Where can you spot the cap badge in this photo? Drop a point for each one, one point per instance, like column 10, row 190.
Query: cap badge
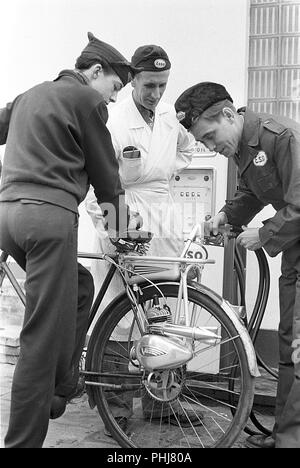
column 261, row 159
column 160, row 63
column 180, row 115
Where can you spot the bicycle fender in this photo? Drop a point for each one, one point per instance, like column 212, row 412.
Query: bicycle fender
column 237, row 322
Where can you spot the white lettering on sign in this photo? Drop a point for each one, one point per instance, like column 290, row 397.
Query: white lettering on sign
column 261, row 159
column 160, row 63
column 198, row 255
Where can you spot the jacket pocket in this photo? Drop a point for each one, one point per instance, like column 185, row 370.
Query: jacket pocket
column 268, row 179
column 130, row 170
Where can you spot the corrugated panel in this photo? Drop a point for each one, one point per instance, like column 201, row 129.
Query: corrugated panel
column 263, row 52
column 264, row 20
column 290, row 19
column 274, row 57
column 266, row 107
column 290, row 109
column 262, row 84
column 290, row 84
column 290, row 50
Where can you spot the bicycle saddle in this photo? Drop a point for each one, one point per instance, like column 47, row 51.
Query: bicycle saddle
column 140, row 237
column 129, row 240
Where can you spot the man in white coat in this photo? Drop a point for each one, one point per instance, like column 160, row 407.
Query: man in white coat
column 151, row 146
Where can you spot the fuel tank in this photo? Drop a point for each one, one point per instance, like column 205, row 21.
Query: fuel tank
column 158, row 352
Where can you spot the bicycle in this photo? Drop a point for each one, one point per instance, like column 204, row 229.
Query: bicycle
column 168, row 349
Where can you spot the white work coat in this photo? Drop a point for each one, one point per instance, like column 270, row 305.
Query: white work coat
column 165, row 150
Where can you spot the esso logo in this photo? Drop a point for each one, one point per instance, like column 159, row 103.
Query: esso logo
column 196, row 255
column 160, row 63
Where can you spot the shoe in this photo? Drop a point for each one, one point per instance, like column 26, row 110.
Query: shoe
column 184, row 418
column 260, row 441
column 180, row 418
column 58, row 406
column 122, row 423
column 59, row 403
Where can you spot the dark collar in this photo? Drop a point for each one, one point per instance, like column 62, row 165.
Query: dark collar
column 77, row 74
column 250, row 135
column 249, row 146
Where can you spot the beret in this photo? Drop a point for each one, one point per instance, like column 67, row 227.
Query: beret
column 195, row 100
column 151, row 58
column 97, row 49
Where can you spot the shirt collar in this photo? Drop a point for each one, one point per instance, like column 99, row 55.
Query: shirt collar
column 136, row 119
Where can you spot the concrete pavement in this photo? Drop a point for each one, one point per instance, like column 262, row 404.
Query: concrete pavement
column 79, row 427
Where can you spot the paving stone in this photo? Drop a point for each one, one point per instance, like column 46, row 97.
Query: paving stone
column 9, row 343
column 81, row 427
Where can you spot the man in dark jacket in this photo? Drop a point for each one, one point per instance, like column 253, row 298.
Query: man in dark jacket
column 266, row 149
column 57, row 144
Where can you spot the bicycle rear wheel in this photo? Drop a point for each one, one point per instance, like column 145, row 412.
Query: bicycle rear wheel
column 194, row 408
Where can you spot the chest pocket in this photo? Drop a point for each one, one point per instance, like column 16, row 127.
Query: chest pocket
column 267, row 178
column 130, row 170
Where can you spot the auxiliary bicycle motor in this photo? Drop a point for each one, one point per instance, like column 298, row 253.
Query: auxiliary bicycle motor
column 165, row 385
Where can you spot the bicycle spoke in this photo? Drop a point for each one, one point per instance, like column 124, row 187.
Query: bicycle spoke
column 203, row 403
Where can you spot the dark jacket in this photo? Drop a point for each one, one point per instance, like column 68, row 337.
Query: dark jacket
column 57, row 143
column 269, row 170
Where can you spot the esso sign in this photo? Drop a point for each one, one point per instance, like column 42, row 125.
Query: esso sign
column 197, row 254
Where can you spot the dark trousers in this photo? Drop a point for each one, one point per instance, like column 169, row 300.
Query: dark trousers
column 42, row 238
column 287, row 426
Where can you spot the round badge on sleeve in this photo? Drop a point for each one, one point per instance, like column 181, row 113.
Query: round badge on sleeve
column 160, row 63
column 261, row 159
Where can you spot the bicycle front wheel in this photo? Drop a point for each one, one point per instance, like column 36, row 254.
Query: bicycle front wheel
column 186, row 407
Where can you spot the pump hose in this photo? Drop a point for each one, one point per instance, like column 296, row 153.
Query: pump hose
column 257, row 315
column 261, row 300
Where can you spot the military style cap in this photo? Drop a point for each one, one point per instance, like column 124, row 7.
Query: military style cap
column 97, row 49
column 195, row 100
column 151, row 58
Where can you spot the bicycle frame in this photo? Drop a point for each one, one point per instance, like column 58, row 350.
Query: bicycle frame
column 177, row 271
column 6, row 270
column 154, row 269
column 183, row 265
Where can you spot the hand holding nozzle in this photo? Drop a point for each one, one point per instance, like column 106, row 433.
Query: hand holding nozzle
column 213, row 226
column 217, row 231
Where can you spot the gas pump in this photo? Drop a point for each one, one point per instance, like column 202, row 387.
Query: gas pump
column 199, row 192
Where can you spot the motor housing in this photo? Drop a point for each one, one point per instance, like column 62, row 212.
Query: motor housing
column 159, row 352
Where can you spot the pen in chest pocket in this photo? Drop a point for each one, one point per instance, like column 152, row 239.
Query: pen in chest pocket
column 131, row 152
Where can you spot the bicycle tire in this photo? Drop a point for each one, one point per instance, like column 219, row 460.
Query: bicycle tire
column 202, row 388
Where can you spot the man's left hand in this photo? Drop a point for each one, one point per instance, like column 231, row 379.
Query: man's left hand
column 250, row 238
